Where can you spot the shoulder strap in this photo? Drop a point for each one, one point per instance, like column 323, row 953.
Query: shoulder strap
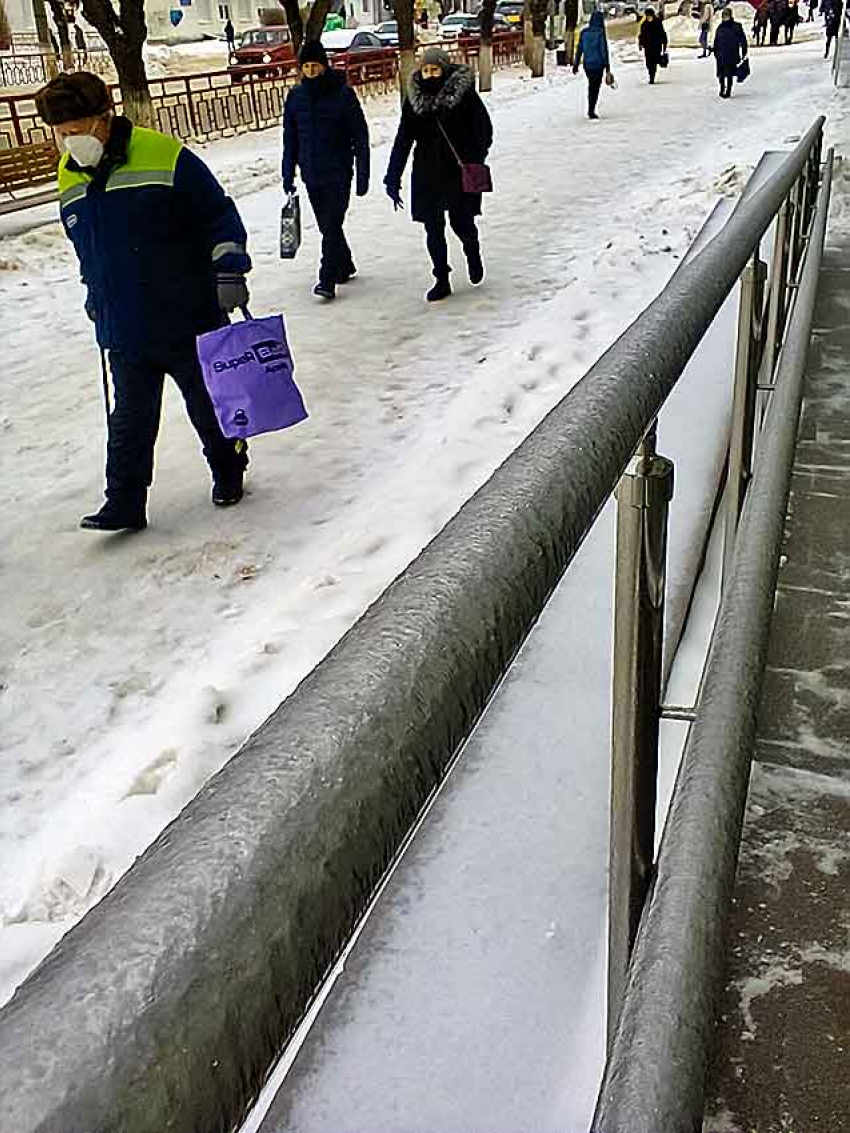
column 449, row 142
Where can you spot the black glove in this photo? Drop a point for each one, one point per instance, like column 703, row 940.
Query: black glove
column 394, row 193
column 362, row 188
column 90, row 307
column 289, row 188
column 232, row 293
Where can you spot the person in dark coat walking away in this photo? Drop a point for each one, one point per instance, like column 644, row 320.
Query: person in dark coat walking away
column 445, row 120
column 652, row 41
column 831, row 22
column 230, row 35
column 163, row 261
column 813, row 7
column 776, row 13
column 760, row 24
column 325, row 136
column 593, row 51
column 730, row 49
column 792, row 18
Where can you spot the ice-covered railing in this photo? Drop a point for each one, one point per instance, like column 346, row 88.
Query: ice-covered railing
column 165, row 1007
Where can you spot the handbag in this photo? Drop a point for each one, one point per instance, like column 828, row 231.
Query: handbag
column 475, row 178
column 290, row 227
column 742, row 72
column 664, row 60
column 248, row 368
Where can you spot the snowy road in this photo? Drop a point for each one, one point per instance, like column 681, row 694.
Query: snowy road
column 131, row 668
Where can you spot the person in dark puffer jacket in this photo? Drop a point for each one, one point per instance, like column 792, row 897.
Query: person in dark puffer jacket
column 445, row 120
column 730, row 50
column 163, row 256
column 325, row 135
column 593, row 51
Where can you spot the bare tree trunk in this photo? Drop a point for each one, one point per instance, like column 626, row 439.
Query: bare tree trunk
column 5, row 29
column 527, row 34
column 406, row 44
column 124, row 32
column 296, row 24
column 43, row 32
column 316, row 20
column 539, row 11
column 485, row 50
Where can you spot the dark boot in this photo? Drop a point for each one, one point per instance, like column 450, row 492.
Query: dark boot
column 442, row 289
column 325, row 291
column 475, row 265
column 227, row 487
column 115, row 515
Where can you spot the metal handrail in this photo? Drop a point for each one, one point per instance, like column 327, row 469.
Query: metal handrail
column 655, row 1076
column 207, row 952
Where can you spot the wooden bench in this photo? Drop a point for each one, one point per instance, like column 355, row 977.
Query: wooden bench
column 22, row 170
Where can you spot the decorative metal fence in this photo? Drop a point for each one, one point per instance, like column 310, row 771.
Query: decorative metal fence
column 33, row 68
column 209, row 106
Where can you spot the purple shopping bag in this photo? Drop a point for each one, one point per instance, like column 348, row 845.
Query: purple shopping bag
column 248, row 371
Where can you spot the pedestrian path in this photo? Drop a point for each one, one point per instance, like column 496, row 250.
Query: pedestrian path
column 785, row 1033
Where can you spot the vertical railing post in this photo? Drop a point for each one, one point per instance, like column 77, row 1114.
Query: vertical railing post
column 643, row 499
column 778, row 278
column 747, row 361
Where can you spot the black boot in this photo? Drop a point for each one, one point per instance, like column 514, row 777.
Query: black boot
column 227, row 487
column 442, row 289
column 324, row 291
column 475, row 266
column 117, row 515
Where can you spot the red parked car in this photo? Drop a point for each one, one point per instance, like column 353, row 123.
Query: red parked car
column 265, row 52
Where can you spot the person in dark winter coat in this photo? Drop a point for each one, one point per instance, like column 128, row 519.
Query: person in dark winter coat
column 760, row 24
column 831, row 22
column 163, row 260
column 448, row 124
column 652, row 41
column 777, row 10
column 792, row 18
column 730, row 49
column 593, row 51
column 325, row 135
column 230, row 34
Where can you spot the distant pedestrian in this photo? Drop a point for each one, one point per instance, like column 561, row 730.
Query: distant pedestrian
column 162, row 254
column 593, row 52
column 730, row 50
column 776, row 13
column 652, row 41
column 325, row 136
column 760, row 24
column 831, row 22
column 813, row 7
column 445, row 123
column 80, row 40
column 792, row 18
column 706, row 21
column 230, row 35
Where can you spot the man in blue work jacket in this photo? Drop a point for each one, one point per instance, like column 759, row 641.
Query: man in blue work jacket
column 163, row 256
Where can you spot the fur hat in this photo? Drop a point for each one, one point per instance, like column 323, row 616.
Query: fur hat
column 68, row 97
column 435, row 57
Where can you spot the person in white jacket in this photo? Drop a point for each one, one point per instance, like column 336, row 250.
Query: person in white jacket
column 705, row 22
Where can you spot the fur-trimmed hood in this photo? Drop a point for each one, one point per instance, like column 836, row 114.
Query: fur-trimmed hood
column 459, row 81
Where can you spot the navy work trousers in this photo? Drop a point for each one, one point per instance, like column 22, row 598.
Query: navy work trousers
column 134, row 421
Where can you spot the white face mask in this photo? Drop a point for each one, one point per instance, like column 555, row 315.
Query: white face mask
column 86, row 150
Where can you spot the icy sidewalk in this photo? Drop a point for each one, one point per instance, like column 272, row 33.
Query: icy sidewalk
column 132, row 668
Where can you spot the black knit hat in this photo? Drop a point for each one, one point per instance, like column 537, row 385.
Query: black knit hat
column 68, row 97
column 313, row 52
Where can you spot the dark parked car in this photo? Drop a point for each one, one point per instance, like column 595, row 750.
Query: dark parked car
column 353, row 46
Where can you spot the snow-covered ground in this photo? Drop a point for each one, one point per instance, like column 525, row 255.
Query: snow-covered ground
column 131, row 668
